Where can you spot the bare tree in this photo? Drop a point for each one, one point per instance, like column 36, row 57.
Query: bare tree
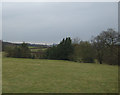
column 76, row 40
column 104, row 44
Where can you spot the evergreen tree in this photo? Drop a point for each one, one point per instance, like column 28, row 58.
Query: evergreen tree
column 61, row 51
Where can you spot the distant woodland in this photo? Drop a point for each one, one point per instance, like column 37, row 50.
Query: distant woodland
column 102, row 49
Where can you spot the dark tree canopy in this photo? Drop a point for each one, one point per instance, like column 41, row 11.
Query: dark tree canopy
column 104, row 44
column 61, row 51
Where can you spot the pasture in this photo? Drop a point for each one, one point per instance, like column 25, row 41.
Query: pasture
column 35, row 49
column 57, row 76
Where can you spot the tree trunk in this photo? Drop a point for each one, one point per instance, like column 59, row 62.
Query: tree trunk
column 100, row 61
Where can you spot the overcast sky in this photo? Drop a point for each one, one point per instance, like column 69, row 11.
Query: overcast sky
column 50, row 22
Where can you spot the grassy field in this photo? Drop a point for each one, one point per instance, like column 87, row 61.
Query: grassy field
column 35, row 49
column 48, row 76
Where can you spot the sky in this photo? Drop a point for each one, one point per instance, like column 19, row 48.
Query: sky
column 50, row 22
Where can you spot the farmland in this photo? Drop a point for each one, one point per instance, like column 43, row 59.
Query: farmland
column 47, row 76
column 59, row 47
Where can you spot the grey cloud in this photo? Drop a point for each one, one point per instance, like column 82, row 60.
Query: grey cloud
column 50, row 22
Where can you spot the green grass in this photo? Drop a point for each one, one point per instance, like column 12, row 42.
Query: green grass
column 30, row 47
column 35, row 49
column 48, row 76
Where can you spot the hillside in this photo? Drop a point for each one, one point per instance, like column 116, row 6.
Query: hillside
column 48, row 76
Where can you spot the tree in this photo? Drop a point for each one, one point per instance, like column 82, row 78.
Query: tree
column 76, row 41
column 24, row 50
column 61, row 51
column 17, row 52
column 104, row 45
column 83, row 52
column 9, row 51
column 51, row 53
column 98, row 44
column 21, row 51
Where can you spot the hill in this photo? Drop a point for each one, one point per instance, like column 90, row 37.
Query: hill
column 6, row 44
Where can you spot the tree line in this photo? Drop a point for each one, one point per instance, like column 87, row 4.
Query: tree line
column 101, row 48
column 21, row 51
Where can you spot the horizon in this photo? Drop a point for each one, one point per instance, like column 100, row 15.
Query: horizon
column 37, row 43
